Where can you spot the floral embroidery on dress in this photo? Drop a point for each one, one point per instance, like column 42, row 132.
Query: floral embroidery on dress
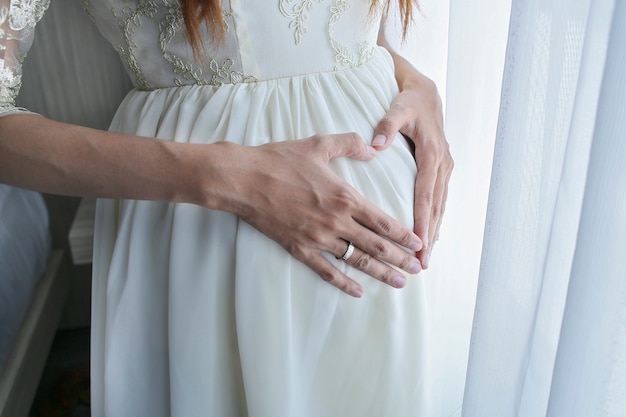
column 224, row 75
column 168, row 27
column 17, row 23
column 131, row 20
column 227, row 16
column 168, row 15
column 343, row 55
column 24, row 14
column 10, row 84
column 298, row 15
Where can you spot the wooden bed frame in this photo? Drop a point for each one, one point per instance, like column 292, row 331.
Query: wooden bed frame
column 27, row 358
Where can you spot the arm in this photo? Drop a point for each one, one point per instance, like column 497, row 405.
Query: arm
column 285, row 190
column 416, row 113
column 273, row 187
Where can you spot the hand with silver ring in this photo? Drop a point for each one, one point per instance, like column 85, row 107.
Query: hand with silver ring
column 311, row 212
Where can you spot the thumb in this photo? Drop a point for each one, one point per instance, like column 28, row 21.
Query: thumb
column 386, row 130
column 347, row 144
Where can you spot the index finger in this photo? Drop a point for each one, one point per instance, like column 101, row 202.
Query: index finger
column 375, row 219
column 388, row 127
column 425, row 184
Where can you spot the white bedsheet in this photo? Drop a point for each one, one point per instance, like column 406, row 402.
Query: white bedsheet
column 24, row 249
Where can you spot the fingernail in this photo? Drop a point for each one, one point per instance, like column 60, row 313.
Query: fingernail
column 426, row 259
column 415, row 267
column 399, row 281
column 379, row 140
column 372, row 151
column 415, row 245
column 357, row 292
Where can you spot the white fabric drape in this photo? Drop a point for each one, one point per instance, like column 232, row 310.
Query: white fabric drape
column 549, row 333
column 549, row 336
column 465, row 58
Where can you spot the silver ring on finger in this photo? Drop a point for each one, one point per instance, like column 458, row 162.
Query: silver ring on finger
column 348, row 253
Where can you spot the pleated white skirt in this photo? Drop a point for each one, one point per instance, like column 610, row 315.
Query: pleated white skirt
column 196, row 314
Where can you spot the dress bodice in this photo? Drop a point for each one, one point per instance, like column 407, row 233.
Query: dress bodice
column 264, row 39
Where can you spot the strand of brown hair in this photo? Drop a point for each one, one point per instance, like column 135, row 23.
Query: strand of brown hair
column 209, row 12
column 197, row 12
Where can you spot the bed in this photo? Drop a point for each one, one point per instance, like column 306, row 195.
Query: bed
column 33, row 290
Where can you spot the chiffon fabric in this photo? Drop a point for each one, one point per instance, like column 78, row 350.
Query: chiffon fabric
column 195, row 313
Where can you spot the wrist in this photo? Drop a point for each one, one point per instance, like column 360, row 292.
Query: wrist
column 211, row 175
column 415, row 80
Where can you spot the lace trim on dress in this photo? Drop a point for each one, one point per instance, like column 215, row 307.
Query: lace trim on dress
column 127, row 24
column 222, row 74
column 298, row 13
column 170, row 25
column 342, row 54
column 17, row 24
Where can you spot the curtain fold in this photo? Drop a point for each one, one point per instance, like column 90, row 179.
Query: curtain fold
column 590, row 371
column 465, row 58
column 548, row 334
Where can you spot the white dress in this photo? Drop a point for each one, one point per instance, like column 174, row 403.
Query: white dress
column 195, row 313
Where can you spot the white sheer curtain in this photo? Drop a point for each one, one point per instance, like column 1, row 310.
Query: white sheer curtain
column 452, row 44
column 549, row 334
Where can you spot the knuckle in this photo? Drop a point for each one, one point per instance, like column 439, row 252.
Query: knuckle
column 331, row 223
column 448, row 161
column 406, row 238
column 329, row 276
column 448, row 155
column 315, row 235
column 327, row 143
column 319, row 143
column 386, row 123
column 403, row 264
column 296, row 251
column 335, row 279
column 343, row 200
column 399, row 107
column 427, row 196
column 379, row 250
column 437, row 210
column 388, row 277
column 362, row 262
column 318, row 139
column 355, row 138
column 383, row 226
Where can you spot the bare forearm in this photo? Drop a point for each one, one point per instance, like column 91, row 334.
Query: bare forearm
column 285, row 190
column 53, row 157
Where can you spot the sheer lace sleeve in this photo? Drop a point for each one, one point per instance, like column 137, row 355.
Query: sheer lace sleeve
column 17, row 27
